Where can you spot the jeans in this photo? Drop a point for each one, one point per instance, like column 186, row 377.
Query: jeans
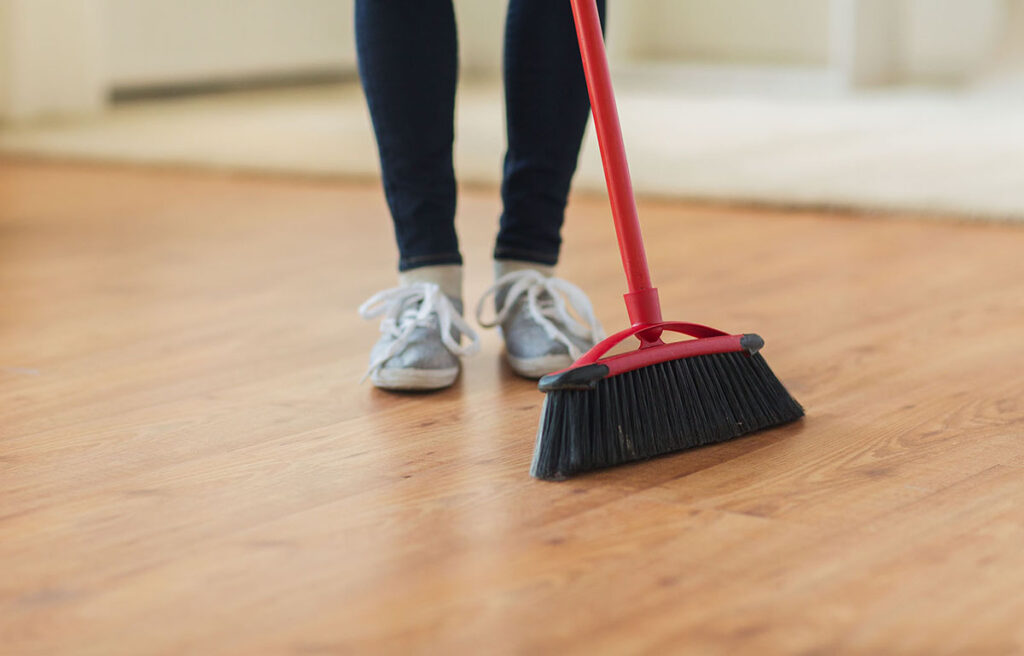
column 408, row 64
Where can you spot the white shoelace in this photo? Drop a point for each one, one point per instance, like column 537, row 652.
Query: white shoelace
column 400, row 324
column 545, row 311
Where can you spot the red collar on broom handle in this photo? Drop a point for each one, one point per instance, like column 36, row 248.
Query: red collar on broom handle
column 642, row 302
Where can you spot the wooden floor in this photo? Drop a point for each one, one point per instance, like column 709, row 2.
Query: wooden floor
column 188, row 465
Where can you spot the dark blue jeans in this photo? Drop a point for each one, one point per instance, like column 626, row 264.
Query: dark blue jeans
column 408, row 63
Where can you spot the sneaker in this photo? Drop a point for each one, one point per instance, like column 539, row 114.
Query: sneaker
column 532, row 312
column 420, row 345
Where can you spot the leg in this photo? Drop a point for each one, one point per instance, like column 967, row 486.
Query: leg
column 546, row 112
column 546, row 109
column 408, row 63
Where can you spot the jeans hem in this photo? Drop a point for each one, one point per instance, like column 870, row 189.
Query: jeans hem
column 417, row 261
column 537, row 257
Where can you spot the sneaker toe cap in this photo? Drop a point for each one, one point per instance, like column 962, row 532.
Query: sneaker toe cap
column 424, row 351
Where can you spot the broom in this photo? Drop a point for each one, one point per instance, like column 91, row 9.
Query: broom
column 662, row 397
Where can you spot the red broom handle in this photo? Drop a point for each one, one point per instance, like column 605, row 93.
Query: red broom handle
column 642, row 298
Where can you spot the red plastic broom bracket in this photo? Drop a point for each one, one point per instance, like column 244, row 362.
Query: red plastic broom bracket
column 640, row 331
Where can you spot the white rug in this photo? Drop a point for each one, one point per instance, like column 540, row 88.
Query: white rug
column 919, row 153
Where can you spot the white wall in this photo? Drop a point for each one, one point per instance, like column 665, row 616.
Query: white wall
column 1005, row 74
column 155, row 42
column 949, row 40
column 61, row 56
column 6, row 53
column 158, row 42
column 481, row 32
column 50, row 59
column 789, row 32
column 868, row 41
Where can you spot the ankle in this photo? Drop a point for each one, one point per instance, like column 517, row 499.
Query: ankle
column 504, row 267
column 446, row 276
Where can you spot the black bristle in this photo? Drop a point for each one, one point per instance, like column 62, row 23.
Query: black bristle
column 656, row 410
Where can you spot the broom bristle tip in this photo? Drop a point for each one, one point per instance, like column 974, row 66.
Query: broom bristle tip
column 658, row 409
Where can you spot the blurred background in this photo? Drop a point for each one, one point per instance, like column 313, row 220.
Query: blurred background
column 909, row 105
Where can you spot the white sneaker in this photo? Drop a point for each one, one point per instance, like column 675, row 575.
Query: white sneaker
column 420, row 345
column 540, row 334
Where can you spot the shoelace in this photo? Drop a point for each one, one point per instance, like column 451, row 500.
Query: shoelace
column 421, row 301
column 546, row 305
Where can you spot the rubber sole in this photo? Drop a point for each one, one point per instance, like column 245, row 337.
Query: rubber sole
column 414, row 379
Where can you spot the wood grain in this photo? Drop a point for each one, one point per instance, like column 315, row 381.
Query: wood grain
column 187, row 464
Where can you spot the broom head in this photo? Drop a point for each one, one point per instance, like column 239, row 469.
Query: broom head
column 660, row 398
